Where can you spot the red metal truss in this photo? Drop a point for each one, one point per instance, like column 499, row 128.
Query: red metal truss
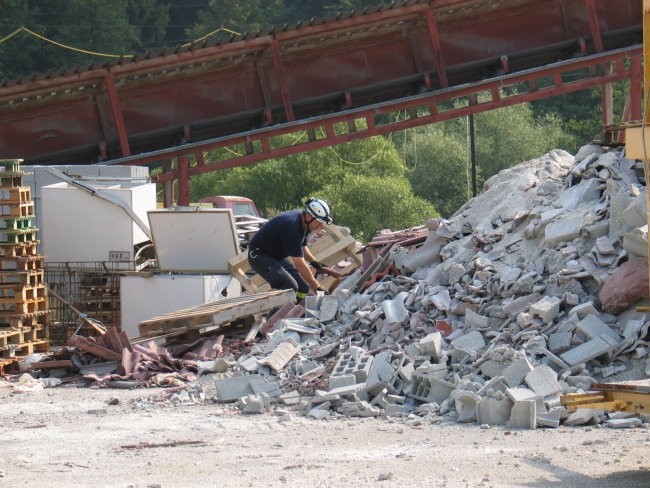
column 435, row 106
column 412, row 55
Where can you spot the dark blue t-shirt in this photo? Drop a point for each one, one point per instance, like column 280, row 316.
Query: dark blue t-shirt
column 282, row 236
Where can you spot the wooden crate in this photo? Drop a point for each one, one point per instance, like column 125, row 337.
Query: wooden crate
column 329, row 249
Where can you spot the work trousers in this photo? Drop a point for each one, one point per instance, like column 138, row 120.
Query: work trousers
column 281, row 274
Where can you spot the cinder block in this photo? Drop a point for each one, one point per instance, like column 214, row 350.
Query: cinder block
column 551, row 418
column 429, row 388
column 582, row 416
column 559, row 342
column 516, row 371
column 494, row 411
column 431, row 345
column 547, row 309
column 543, row 381
column 350, row 363
column 591, row 326
column 523, row 415
column 586, row 352
column 341, row 380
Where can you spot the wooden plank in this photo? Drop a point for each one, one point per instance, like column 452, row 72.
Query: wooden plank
column 216, row 313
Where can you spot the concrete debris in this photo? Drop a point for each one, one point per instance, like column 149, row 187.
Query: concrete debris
column 529, row 292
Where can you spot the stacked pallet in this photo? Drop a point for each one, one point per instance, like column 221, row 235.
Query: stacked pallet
column 24, row 309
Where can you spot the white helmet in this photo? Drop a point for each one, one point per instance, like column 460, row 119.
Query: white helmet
column 319, row 210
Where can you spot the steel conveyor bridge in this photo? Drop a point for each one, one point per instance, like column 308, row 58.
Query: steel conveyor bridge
column 356, row 75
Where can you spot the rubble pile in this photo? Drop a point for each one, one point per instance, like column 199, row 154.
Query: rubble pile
column 531, row 291
column 504, row 308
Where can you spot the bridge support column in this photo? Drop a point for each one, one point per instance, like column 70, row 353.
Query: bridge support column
column 183, row 181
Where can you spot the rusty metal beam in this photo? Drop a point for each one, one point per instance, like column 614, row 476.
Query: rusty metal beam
column 598, row 70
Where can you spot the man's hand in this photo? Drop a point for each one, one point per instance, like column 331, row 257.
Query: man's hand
column 318, row 265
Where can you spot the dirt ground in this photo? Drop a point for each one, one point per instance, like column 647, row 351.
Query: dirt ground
column 100, row 437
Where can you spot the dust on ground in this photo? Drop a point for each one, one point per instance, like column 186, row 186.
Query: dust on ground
column 101, row 437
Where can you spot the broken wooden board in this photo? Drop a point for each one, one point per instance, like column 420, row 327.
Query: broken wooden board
column 610, row 398
column 329, row 249
column 212, row 314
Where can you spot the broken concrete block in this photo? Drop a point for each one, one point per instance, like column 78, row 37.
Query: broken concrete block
column 591, row 327
column 358, row 365
column 469, row 342
column 394, row 310
column 254, row 404
column 381, row 372
column 520, row 304
column 582, row 416
column 584, row 309
column 565, row 229
column 559, row 342
column 586, row 352
column 543, row 381
column 290, row 398
column 430, row 388
column 431, row 345
column 281, row 355
column 494, row 411
column 551, row 418
column 516, row 371
column 358, row 409
column 476, row 321
column 523, row 415
column 466, row 403
column 547, row 309
column 623, row 423
column 338, row 381
column 518, row 394
column 231, row 389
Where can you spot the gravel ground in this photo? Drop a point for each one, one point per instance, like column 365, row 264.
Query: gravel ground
column 136, row 438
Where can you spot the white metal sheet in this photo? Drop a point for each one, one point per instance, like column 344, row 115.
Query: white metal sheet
column 194, row 239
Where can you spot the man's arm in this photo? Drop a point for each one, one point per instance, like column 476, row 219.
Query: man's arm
column 304, row 270
column 309, row 257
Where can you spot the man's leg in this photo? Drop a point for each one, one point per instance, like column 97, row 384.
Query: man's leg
column 274, row 272
column 303, row 288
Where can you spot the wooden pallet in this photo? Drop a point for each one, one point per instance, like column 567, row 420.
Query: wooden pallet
column 8, row 366
column 21, row 293
column 20, row 263
column 22, row 335
column 329, row 249
column 26, row 278
column 15, row 223
column 18, row 236
column 17, row 209
column 11, row 306
column 17, row 350
column 215, row 313
column 34, row 319
column 15, row 194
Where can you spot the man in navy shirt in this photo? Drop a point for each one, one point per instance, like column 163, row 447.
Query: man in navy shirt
column 278, row 251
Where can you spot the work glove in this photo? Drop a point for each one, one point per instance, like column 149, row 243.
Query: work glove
column 318, row 265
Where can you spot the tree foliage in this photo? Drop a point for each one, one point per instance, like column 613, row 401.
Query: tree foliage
column 368, row 204
column 439, row 155
column 281, row 184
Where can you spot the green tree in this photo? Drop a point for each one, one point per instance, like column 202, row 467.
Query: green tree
column 439, row 155
column 281, row 184
column 368, row 204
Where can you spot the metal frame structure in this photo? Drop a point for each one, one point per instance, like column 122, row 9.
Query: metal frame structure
column 336, row 80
